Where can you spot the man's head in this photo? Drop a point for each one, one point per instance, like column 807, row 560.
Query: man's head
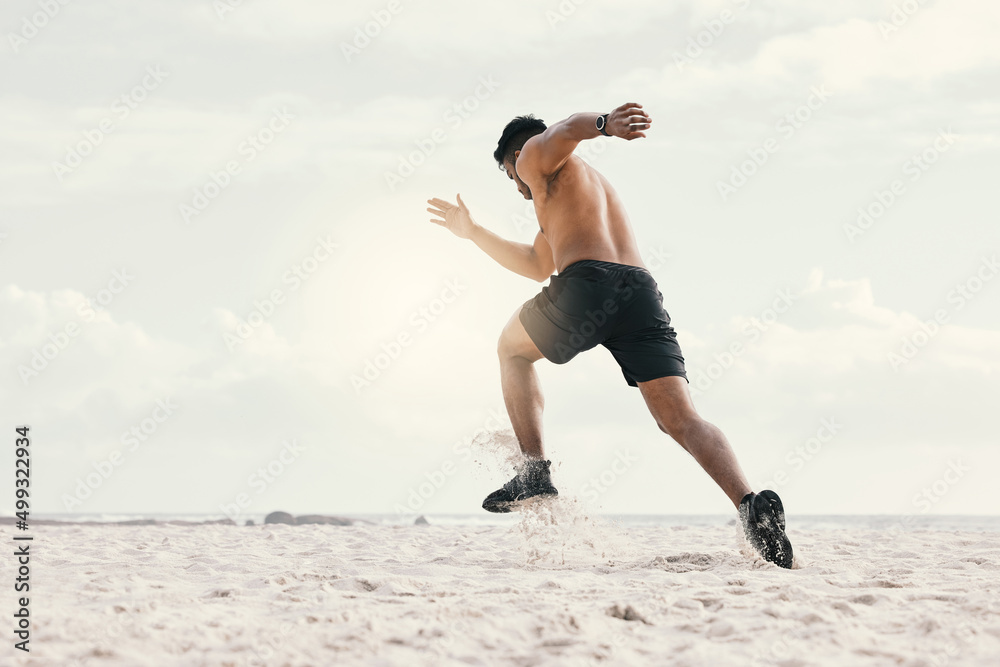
column 514, row 136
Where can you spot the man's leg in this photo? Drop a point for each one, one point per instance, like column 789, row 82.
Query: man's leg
column 522, row 393
column 669, row 401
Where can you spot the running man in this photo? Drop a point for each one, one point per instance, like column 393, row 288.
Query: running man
column 601, row 294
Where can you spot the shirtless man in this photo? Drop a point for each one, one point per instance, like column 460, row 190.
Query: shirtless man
column 601, row 294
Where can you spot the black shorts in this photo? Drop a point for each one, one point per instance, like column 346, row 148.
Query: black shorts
column 592, row 302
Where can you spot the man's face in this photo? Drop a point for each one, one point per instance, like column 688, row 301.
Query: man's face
column 511, row 169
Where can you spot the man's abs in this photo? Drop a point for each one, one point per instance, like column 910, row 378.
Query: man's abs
column 582, row 217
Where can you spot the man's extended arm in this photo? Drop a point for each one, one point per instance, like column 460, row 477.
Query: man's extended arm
column 533, row 261
column 547, row 152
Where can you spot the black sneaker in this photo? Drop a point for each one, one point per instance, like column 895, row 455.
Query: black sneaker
column 532, row 479
column 763, row 519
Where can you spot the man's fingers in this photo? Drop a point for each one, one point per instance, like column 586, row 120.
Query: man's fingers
column 636, row 120
column 635, row 135
column 440, row 203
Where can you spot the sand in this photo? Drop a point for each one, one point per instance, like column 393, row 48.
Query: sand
column 556, row 588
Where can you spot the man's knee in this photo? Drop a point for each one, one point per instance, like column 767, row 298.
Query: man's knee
column 503, row 345
column 515, row 342
column 507, row 346
column 677, row 426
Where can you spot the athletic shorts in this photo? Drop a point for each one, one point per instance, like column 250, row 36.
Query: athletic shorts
column 592, row 302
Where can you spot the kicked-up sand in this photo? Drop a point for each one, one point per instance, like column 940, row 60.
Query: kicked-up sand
column 558, row 587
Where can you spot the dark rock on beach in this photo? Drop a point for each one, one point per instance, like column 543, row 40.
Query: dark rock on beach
column 421, row 521
column 307, row 519
column 280, row 517
column 317, row 518
column 216, row 522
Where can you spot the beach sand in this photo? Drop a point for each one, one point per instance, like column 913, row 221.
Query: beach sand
column 558, row 587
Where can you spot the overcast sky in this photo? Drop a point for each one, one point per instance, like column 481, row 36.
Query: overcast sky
column 212, row 224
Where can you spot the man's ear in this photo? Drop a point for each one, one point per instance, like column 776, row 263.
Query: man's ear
column 516, row 153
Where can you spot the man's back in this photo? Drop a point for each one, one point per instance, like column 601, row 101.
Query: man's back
column 581, row 215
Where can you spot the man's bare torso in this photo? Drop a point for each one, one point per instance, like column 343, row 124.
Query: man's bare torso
column 582, row 217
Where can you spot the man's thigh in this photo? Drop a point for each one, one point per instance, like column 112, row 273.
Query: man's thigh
column 515, row 341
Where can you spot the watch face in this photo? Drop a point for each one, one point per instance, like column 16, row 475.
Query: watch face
column 600, row 122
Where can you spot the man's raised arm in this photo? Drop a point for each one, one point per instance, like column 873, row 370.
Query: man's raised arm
column 547, row 152
column 532, row 261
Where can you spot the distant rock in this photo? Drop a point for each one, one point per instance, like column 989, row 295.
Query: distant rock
column 318, row 518
column 249, row 522
column 421, row 521
column 280, row 517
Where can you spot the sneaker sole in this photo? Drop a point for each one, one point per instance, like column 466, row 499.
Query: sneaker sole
column 503, row 507
column 771, row 524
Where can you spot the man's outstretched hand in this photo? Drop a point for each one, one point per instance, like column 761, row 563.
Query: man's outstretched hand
column 628, row 122
column 453, row 217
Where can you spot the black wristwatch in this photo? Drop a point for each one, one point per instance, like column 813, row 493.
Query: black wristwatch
column 602, row 122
